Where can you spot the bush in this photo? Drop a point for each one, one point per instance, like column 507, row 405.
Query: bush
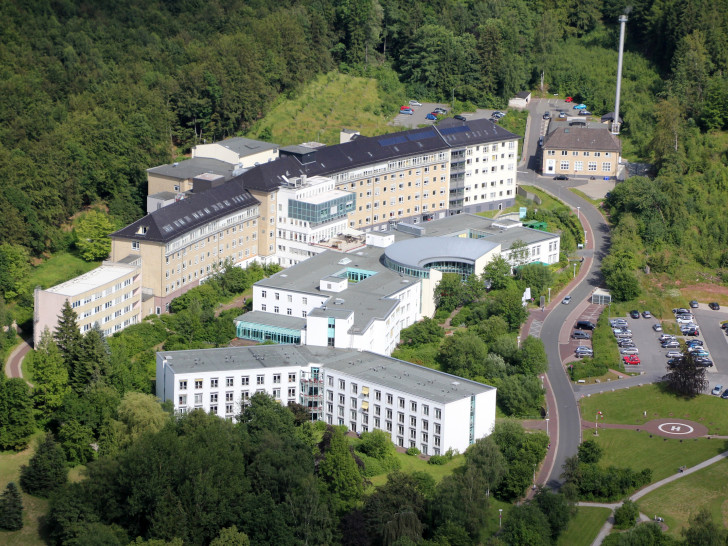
column 438, row 459
column 372, row 466
column 441, row 315
column 626, row 515
column 413, row 451
column 587, row 367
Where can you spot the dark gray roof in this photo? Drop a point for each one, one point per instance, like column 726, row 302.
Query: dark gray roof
column 190, row 168
column 582, row 138
column 171, row 221
column 609, row 116
column 246, row 146
column 523, row 94
column 273, row 319
column 329, row 160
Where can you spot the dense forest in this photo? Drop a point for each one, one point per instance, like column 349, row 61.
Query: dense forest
column 94, row 93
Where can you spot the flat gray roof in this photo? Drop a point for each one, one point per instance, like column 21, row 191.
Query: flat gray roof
column 228, row 359
column 194, row 167
column 368, row 367
column 501, row 231
column 273, row 319
column 246, row 146
column 368, row 299
column 424, row 250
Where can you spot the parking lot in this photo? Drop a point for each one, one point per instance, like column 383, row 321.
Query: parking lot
column 417, row 118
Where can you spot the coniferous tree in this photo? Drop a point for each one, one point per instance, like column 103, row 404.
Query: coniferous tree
column 11, row 509
column 67, row 335
column 47, row 469
column 17, row 422
column 50, row 375
column 93, row 360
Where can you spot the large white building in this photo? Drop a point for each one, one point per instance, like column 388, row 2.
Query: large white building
column 418, row 407
column 110, row 296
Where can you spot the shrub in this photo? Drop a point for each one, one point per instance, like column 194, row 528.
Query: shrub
column 413, row 451
column 626, row 515
column 438, row 459
column 588, row 367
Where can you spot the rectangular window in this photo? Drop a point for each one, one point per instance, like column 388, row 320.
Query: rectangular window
column 401, row 402
column 276, row 378
column 342, row 384
column 592, row 165
column 413, row 406
column 390, row 398
column 291, row 377
column 260, row 380
column 606, row 167
column 291, row 392
column 564, row 165
column 229, row 381
column 354, row 388
column 198, row 383
column 213, row 397
column 213, row 383
column 245, row 380
column 183, row 385
column 438, row 413
column 378, row 396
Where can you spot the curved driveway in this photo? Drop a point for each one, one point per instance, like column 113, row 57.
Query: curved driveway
column 569, row 421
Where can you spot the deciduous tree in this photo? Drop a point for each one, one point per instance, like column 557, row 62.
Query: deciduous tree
column 92, row 232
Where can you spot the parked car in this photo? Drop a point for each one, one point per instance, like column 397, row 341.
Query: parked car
column 622, row 330
column 634, row 314
column 562, row 115
column 714, row 306
column 681, row 311
column 561, row 177
column 406, row 110
column 498, row 114
column 540, row 141
column 415, row 103
column 694, row 343
column 691, row 332
column 673, row 354
column 624, row 335
column 646, row 314
column 460, row 117
column 724, row 326
column 439, row 110
column 671, row 345
column 566, row 300
column 622, row 343
column 666, row 337
column 631, row 359
column 716, row 390
column 579, row 334
column 629, row 351
column 580, row 107
column 701, row 354
column 547, row 115
column 585, row 113
column 618, row 322
column 683, row 319
column 693, row 304
column 704, row 362
column 672, row 362
column 725, row 394
column 585, row 325
column 431, row 116
column 569, row 99
column 657, row 327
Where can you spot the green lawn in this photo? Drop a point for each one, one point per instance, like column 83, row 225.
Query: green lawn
column 676, row 501
column 326, row 105
column 584, row 526
column 626, row 406
column 585, row 197
column 33, row 507
column 629, row 448
column 59, row 268
column 414, row 464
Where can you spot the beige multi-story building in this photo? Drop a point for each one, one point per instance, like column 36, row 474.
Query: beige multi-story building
column 240, row 151
column 181, row 245
column 581, row 151
column 110, row 296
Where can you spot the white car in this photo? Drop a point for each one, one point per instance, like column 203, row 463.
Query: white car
column 685, row 320
column 618, row 323
column 716, row 390
column 415, row 103
column 629, row 351
column 673, row 354
column 566, row 300
column 657, row 327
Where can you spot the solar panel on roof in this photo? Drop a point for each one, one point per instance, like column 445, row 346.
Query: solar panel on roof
column 453, row 130
column 421, row 135
column 390, row 141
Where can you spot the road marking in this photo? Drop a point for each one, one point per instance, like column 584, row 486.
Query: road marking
column 675, row 428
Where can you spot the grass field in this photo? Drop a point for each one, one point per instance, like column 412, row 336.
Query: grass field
column 676, row 501
column 59, row 268
column 584, row 526
column 629, row 448
column 585, row 197
column 33, row 507
column 415, row 464
column 626, row 406
column 325, row 106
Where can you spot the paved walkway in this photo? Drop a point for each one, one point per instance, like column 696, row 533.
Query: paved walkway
column 607, row 527
column 13, row 365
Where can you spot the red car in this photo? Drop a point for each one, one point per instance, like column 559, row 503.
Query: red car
column 631, row 359
column 569, row 99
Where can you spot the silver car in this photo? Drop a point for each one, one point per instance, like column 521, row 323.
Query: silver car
column 629, row 351
column 673, row 354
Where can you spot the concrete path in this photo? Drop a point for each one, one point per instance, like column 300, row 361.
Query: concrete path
column 607, row 527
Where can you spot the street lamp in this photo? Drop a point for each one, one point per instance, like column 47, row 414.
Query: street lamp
column 500, row 517
column 534, row 475
column 549, row 294
column 578, row 217
column 547, row 426
column 574, row 269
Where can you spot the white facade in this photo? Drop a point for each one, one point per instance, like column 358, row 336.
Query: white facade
column 481, row 175
column 109, row 296
column 417, row 406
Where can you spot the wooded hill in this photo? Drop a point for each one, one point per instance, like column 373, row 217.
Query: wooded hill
column 94, row 93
